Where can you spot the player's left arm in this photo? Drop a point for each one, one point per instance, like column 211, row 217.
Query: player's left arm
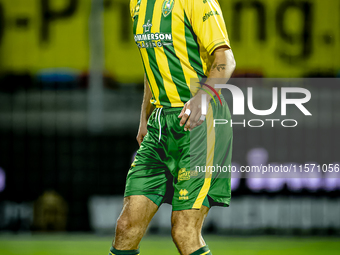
column 221, row 70
column 207, row 21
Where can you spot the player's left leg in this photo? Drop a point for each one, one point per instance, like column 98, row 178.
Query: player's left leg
column 199, row 181
column 186, row 227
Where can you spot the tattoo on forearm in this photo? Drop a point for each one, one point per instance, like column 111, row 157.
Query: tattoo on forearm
column 221, row 67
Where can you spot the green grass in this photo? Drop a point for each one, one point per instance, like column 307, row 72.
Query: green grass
column 153, row 245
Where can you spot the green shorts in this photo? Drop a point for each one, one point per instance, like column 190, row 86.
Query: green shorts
column 182, row 168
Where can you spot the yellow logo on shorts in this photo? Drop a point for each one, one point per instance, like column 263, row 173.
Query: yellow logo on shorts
column 194, row 173
column 183, row 194
column 183, row 175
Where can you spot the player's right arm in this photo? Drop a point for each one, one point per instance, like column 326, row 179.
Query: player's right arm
column 146, row 111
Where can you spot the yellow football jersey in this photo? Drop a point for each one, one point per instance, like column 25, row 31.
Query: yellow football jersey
column 176, row 39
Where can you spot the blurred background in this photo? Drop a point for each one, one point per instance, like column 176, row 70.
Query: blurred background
column 71, row 85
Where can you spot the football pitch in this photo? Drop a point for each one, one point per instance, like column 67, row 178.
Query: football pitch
column 153, row 245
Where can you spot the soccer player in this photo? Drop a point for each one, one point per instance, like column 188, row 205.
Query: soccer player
column 180, row 42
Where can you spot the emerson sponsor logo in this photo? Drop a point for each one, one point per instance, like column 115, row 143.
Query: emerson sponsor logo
column 152, row 40
column 209, row 14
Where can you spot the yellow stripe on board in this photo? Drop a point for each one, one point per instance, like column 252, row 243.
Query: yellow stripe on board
column 144, row 53
column 162, row 61
column 179, row 42
column 210, row 159
column 207, row 252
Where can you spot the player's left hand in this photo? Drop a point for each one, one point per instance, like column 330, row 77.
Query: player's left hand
column 191, row 114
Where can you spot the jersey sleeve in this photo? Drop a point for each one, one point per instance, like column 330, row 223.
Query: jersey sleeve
column 207, row 21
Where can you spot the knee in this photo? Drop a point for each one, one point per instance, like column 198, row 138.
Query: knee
column 127, row 236
column 123, row 224
column 176, row 234
column 128, row 226
column 184, row 234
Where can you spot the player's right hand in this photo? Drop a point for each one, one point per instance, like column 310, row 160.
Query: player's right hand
column 192, row 118
column 142, row 131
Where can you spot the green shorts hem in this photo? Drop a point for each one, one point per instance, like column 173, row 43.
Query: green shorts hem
column 224, row 202
column 155, row 198
column 206, row 202
column 159, row 199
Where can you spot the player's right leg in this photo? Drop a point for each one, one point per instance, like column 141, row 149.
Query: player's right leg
column 146, row 185
column 132, row 223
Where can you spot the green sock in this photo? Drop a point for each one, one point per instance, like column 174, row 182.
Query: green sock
column 202, row 251
column 113, row 251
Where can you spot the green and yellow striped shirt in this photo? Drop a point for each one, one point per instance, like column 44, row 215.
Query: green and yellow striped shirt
column 176, row 39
